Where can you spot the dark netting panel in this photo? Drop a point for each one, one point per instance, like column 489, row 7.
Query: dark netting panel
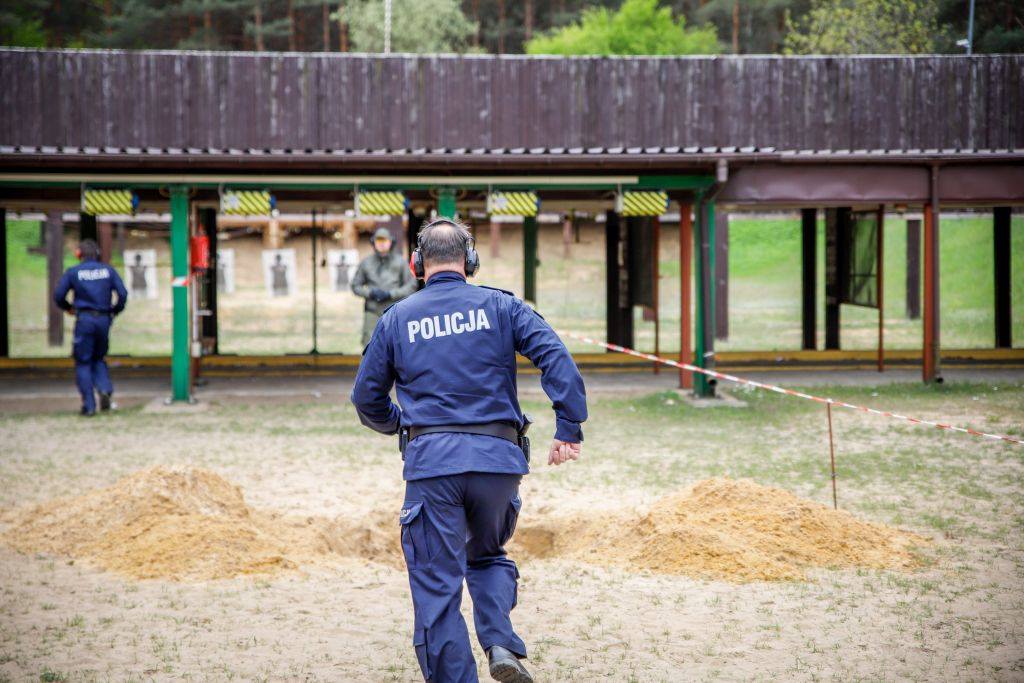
column 641, row 260
column 859, row 259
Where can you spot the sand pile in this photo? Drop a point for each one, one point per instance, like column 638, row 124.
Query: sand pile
column 191, row 524
column 726, row 529
column 181, row 524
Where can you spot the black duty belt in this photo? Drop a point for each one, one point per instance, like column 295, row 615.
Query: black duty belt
column 502, row 430
column 93, row 312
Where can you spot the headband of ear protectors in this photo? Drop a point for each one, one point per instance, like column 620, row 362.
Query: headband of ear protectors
column 472, row 263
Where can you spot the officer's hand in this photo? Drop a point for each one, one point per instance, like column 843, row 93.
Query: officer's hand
column 563, row 451
column 69, row 312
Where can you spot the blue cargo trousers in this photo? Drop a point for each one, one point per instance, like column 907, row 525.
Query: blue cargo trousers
column 454, row 528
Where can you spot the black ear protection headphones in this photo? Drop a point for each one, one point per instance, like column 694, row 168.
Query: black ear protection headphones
column 472, row 262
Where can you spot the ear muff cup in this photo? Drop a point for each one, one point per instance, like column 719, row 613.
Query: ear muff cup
column 416, row 263
column 471, row 264
column 472, row 260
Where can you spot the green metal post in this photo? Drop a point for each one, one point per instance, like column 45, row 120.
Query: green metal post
column 530, row 259
column 704, row 252
column 709, row 348
column 179, row 271
column 446, row 203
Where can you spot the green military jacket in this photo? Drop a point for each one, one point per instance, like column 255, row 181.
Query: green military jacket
column 390, row 273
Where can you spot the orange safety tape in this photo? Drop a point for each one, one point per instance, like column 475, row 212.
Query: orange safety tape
column 789, row 392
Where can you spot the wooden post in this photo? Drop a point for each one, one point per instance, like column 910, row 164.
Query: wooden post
column 721, row 275
column 1003, row 281
column 119, row 240
column 272, row 237
column 685, row 292
column 930, row 323
column 495, row 239
column 832, row 218
column 105, row 238
column 809, row 277
column 913, row 269
column 880, row 282
column 530, row 259
column 567, row 221
column 54, row 269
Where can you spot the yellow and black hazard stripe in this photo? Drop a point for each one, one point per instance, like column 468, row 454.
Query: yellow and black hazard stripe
column 120, row 202
column 380, row 203
column 513, row 203
column 246, row 202
column 643, row 203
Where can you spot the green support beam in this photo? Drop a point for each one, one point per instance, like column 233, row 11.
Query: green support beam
column 180, row 368
column 446, row 203
column 530, row 259
column 704, row 254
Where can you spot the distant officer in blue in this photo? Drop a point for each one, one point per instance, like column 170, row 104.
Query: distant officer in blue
column 94, row 284
column 450, row 351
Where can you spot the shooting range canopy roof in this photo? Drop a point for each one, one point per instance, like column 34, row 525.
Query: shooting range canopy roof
column 439, row 158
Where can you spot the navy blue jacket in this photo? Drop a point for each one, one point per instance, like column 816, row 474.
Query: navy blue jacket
column 93, row 283
column 450, row 351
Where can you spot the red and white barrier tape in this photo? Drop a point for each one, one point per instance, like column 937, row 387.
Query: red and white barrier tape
column 788, row 392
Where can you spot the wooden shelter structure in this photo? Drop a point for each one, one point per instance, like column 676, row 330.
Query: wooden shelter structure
column 800, row 132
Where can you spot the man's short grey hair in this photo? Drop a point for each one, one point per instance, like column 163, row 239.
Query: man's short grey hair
column 444, row 241
column 89, row 249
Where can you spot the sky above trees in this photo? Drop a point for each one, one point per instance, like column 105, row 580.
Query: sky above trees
column 517, row 26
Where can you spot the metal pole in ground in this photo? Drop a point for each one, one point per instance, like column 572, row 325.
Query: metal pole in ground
column 312, row 233
column 832, row 454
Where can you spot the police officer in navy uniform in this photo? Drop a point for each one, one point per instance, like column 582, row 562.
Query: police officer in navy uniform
column 93, row 283
column 450, row 351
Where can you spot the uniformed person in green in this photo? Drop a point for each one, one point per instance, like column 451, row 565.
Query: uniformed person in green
column 382, row 278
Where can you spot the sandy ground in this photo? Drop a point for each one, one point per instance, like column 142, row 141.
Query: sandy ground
column 960, row 617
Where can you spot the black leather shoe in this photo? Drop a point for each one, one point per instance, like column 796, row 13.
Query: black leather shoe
column 105, row 402
column 86, row 413
column 506, row 667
